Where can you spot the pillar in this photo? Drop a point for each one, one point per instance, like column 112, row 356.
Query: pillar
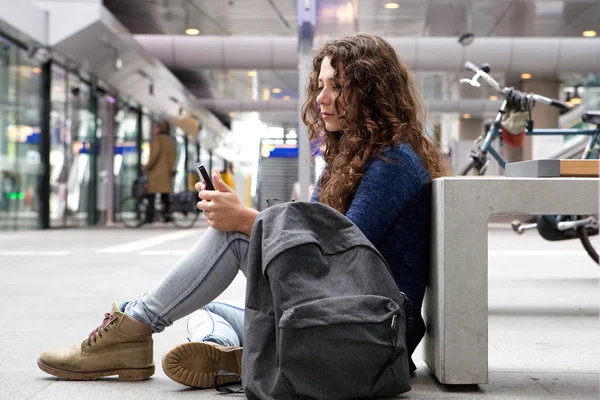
column 307, row 11
column 470, row 128
column 544, row 116
column 46, row 106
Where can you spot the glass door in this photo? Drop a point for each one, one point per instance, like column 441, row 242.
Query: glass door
column 125, row 167
column 70, row 121
column 20, row 161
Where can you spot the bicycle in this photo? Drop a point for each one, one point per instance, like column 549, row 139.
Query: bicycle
column 557, row 227
column 182, row 206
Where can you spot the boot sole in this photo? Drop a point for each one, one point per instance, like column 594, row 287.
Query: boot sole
column 196, row 364
column 129, row 374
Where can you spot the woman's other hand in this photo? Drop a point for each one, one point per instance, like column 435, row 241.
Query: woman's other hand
column 223, row 209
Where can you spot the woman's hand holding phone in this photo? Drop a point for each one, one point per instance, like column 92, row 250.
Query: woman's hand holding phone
column 222, row 207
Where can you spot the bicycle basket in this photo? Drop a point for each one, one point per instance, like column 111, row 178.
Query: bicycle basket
column 184, row 202
column 139, row 188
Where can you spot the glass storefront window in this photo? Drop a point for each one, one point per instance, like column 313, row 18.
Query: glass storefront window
column 20, row 161
column 146, row 138
column 69, row 149
column 126, row 153
column 180, row 181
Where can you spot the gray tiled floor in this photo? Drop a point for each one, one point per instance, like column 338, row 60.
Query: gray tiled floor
column 543, row 336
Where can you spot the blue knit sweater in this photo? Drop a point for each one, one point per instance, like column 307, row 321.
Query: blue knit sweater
column 392, row 207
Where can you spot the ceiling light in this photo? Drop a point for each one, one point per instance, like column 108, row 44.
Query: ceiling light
column 526, row 76
column 392, row 6
column 192, row 31
column 589, row 33
column 276, row 90
column 493, row 98
column 266, row 94
column 36, row 70
column 251, row 73
column 466, row 116
column 286, row 97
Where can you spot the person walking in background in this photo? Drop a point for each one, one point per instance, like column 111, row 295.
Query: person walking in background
column 160, row 169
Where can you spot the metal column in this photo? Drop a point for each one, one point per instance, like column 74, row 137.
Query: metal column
column 93, row 154
column 186, row 160
column 307, row 11
column 138, row 140
column 44, row 183
column 109, row 153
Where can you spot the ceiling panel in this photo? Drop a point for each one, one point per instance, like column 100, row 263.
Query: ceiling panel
column 412, row 18
column 211, row 17
column 415, row 18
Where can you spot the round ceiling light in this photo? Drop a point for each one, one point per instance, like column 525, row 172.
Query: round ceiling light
column 192, row 31
column 392, row 6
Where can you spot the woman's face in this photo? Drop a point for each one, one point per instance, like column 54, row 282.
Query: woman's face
column 327, row 96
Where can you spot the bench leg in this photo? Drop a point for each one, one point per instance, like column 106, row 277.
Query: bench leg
column 457, row 298
column 457, row 303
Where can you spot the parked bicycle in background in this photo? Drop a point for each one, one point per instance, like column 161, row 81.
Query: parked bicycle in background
column 512, row 122
column 134, row 209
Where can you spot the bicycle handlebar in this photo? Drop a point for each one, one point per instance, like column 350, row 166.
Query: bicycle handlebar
column 551, row 102
column 505, row 90
column 480, row 73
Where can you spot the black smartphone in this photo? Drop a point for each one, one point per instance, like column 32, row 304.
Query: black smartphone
column 203, row 174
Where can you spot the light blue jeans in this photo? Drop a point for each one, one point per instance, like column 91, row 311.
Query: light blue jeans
column 197, row 279
column 221, row 322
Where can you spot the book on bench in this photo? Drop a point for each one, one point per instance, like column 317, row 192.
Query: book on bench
column 553, row 169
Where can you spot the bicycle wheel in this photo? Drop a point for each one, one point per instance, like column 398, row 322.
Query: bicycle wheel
column 183, row 209
column 590, row 240
column 133, row 211
column 185, row 219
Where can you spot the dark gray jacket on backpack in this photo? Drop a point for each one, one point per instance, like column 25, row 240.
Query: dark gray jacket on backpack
column 324, row 317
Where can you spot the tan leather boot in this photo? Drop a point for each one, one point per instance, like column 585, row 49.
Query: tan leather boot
column 196, row 364
column 121, row 346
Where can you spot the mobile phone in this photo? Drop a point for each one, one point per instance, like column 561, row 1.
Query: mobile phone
column 203, row 174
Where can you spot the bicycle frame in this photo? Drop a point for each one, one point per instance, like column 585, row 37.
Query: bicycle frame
column 495, row 132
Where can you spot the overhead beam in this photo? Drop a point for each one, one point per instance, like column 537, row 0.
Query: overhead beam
column 539, row 56
column 474, row 107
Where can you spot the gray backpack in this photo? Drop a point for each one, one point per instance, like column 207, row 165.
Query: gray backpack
column 324, row 317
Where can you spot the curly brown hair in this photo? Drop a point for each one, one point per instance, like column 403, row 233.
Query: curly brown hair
column 380, row 107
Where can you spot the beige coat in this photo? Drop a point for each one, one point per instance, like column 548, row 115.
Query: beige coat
column 161, row 164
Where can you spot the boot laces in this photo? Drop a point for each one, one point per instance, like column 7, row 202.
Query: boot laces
column 109, row 319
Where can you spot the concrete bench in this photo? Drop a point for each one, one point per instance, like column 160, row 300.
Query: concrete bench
column 456, row 344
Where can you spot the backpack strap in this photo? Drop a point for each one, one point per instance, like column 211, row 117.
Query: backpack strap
column 273, row 202
column 393, row 336
column 222, row 387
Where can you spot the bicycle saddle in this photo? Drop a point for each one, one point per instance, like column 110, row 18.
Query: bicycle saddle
column 593, row 117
